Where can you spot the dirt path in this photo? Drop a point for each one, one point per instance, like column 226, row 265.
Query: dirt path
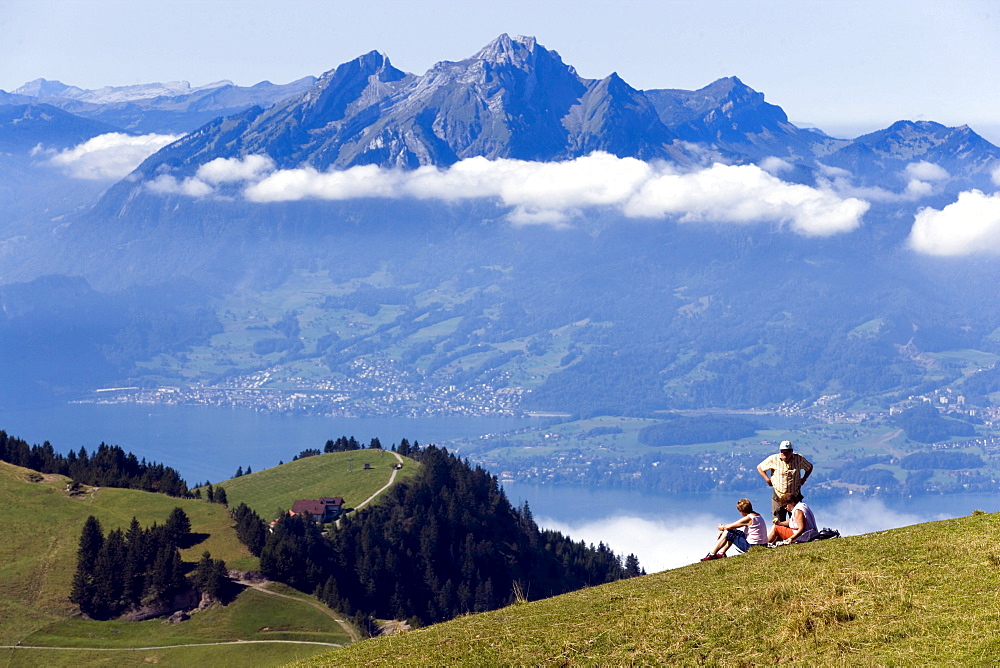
column 392, row 479
column 351, row 632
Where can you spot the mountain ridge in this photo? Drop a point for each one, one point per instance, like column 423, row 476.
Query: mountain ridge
column 513, row 98
column 516, row 99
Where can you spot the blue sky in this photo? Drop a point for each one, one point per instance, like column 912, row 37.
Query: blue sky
column 846, row 67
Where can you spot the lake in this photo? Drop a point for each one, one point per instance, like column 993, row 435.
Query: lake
column 663, row 530
column 209, row 443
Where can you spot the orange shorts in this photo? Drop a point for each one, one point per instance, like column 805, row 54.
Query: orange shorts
column 784, row 533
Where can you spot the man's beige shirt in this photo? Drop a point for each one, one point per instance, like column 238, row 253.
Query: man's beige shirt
column 786, row 478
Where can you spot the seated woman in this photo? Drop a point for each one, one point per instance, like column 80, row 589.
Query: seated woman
column 800, row 527
column 730, row 534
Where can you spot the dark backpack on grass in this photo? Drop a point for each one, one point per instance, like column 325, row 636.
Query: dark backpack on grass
column 825, row 533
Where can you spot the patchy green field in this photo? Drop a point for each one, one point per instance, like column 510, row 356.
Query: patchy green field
column 38, row 557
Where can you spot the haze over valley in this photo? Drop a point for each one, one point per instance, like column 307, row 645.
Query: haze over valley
column 501, row 237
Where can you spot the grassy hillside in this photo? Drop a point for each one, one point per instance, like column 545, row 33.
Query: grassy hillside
column 312, row 477
column 924, row 594
column 255, row 617
column 41, row 529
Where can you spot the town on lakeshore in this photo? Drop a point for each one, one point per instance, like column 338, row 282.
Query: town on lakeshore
column 863, row 451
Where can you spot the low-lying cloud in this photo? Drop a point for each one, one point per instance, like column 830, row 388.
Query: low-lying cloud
column 918, row 180
column 109, row 156
column 675, row 541
column 968, row 226
column 550, row 193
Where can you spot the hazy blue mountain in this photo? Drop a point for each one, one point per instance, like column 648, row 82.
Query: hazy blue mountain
column 517, row 99
column 960, row 151
column 32, row 193
column 25, row 126
column 733, row 117
column 44, row 88
column 513, row 99
column 13, row 98
column 159, row 107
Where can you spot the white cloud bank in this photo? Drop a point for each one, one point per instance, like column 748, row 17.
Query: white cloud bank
column 683, row 539
column 968, row 226
column 922, row 179
column 551, row 193
column 109, row 156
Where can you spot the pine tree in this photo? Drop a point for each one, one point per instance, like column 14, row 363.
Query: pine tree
column 135, row 564
column 632, row 566
column 178, row 526
column 91, row 541
column 210, row 576
column 109, row 585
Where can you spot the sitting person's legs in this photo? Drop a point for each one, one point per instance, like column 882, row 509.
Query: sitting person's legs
column 737, row 539
column 779, row 532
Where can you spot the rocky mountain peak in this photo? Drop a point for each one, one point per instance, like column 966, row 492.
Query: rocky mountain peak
column 507, row 50
column 373, row 63
column 365, row 76
column 46, row 88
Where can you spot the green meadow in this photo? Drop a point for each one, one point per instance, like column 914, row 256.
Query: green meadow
column 920, row 595
column 340, row 474
column 42, row 532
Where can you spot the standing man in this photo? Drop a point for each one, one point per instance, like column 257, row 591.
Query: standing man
column 788, row 471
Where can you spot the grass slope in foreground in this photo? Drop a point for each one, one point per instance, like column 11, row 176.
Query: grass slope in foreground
column 924, row 594
column 332, row 474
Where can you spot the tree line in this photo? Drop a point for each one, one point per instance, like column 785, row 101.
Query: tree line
column 343, row 444
column 108, row 466
column 124, row 570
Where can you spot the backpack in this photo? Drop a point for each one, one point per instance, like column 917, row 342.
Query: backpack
column 825, row 533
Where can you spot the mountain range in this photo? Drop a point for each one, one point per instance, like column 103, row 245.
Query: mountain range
column 516, row 99
column 499, row 222
column 170, row 107
column 513, row 99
